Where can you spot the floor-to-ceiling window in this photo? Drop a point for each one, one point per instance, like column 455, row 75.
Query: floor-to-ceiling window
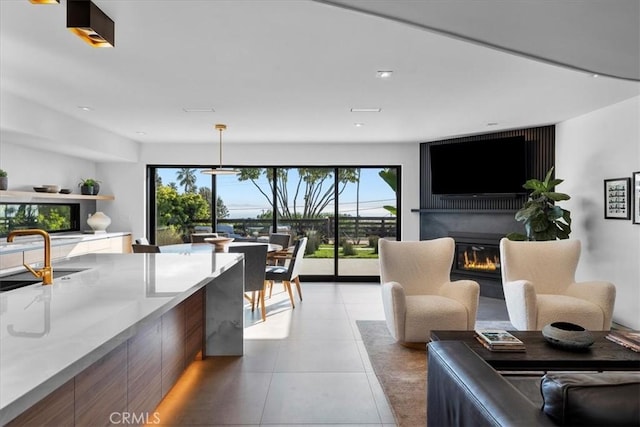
column 366, row 212
column 343, row 211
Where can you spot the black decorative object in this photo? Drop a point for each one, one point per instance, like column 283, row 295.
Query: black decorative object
column 91, row 24
column 567, row 336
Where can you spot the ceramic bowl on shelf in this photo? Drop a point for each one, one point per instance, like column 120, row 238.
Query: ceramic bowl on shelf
column 65, row 191
column 51, row 188
column 40, row 189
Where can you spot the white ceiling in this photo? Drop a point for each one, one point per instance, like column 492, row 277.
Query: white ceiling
column 291, row 70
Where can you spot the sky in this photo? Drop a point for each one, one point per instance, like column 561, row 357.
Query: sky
column 244, row 200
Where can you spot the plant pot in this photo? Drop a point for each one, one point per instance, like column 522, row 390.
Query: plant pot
column 87, row 190
column 96, row 189
column 4, row 182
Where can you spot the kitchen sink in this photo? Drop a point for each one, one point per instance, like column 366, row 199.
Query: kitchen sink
column 25, row 278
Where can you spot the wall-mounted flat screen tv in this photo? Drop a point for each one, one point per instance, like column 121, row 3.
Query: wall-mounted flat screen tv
column 479, row 168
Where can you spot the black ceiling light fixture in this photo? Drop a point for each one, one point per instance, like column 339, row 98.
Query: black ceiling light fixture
column 91, row 24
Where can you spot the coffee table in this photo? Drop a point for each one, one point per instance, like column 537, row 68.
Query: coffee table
column 603, row 355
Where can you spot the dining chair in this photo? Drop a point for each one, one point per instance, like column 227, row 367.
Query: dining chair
column 145, row 249
column 280, row 239
column 290, row 271
column 255, row 259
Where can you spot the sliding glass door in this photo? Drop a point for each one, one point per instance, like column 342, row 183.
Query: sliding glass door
column 342, row 211
column 366, row 212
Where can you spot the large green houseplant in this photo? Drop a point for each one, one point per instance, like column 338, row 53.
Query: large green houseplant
column 542, row 218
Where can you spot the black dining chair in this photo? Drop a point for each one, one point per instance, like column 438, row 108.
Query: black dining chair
column 145, row 249
column 255, row 259
column 280, row 239
column 290, row 271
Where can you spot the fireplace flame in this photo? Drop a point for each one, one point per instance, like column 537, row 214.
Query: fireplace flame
column 474, row 263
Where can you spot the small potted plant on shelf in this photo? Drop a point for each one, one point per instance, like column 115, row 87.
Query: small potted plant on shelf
column 89, row 186
column 4, row 180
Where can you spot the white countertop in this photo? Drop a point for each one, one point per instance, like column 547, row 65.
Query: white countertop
column 48, row 334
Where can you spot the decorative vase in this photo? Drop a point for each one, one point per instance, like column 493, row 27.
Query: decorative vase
column 99, row 222
column 4, row 182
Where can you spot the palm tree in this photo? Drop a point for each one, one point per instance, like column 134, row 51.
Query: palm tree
column 187, row 178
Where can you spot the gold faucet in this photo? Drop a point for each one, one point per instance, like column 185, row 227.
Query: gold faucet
column 46, row 273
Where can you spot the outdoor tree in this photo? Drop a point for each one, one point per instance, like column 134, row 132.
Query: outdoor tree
column 205, row 193
column 221, row 209
column 178, row 210
column 306, row 197
column 187, row 178
column 390, row 176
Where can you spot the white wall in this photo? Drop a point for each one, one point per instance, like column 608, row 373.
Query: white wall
column 601, row 145
column 127, row 181
column 28, row 168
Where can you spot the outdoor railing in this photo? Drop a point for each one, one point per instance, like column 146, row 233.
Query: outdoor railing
column 352, row 228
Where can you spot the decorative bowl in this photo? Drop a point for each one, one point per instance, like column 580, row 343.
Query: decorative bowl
column 568, row 336
column 65, row 191
column 220, row 243
column 51, row 188
column 40, row 189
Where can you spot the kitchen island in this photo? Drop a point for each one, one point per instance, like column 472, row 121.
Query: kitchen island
column 118, row 309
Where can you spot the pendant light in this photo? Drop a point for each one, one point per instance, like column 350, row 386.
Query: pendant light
column 91, row 24
column 220, row 170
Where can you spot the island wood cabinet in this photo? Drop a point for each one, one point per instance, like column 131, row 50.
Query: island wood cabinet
column 131, row 380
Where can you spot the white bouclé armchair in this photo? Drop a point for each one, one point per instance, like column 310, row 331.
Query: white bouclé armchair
column 538, row 279
column 417, row 293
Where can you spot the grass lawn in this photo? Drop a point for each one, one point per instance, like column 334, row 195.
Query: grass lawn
column 326, row 251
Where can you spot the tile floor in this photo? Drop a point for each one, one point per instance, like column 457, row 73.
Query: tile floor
column 305, row 366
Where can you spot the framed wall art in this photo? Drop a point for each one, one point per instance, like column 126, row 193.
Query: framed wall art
column 616, row 198
column 635, row 192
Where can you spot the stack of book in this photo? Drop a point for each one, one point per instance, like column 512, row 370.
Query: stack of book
column 499, row 340
column 629, row 339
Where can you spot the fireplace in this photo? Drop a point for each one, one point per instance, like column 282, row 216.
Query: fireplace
column 477, row 257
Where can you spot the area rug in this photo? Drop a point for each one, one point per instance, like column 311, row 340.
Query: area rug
column 402, row 371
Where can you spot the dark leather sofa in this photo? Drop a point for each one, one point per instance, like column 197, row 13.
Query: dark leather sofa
column 463, row 390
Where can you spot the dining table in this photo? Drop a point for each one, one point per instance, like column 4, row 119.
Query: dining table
column 188, row 248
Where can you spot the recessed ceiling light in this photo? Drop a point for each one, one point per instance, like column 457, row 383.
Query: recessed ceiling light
column 595, row 75
column 198, row 110
column 358, row 125
column 85, row 108
column 366, row 110
column 140, row 133
column 384, row 74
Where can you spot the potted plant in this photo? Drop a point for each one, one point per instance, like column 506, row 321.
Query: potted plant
column 89, row 186
column 542, row 218
column 4, row 180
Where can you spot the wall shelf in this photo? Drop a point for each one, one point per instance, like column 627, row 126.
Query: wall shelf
column 10, row 194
